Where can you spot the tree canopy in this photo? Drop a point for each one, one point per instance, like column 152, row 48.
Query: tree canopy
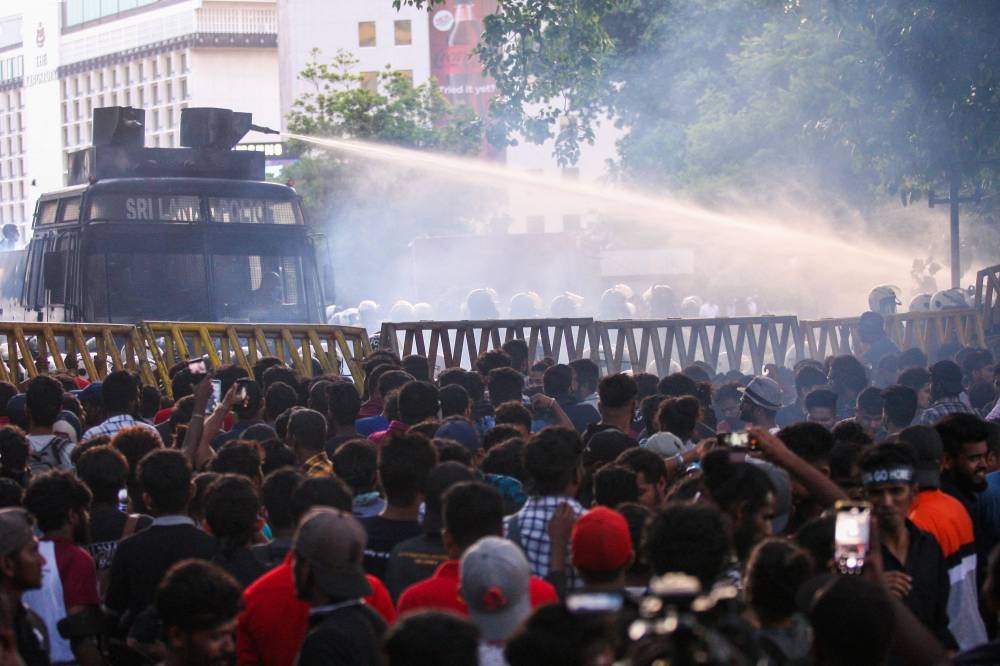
column 864, row 98
column 388, row 108
column 367, row 208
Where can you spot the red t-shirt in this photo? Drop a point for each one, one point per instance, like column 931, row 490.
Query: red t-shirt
column 440, row 591
column 77, row 574
column 274, row 622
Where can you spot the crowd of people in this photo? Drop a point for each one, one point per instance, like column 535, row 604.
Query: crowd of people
column 522, row 512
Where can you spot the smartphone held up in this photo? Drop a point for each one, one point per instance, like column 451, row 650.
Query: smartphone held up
column 852, row 536
column 216, row 397
column 739, row 441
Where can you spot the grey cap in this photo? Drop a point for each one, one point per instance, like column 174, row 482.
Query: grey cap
column 928, row 449
column 764, row 392
column 664, row 444
column 495, row 577
column 15, row 529
column 333, row 543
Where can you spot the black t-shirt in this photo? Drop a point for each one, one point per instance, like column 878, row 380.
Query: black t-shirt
column 241, row 565
column 144, row 558
column 383, row 535
column 272, row 553
column 349, row 635
column 412, row 561
column 332, row 443
column 107, row 524
column 928, row 598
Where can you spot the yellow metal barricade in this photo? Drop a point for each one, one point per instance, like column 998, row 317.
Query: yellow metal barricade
column 930, row 330
column 924, row 330
column 828, row 337
column 298, row 345
column 459, row 343
column 151, row 348
column 988, row 298
column 613, row 344
column 31, row 349
column 655, row 344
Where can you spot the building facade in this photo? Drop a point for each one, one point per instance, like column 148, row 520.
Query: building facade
column 61, row 59
column 371, row 30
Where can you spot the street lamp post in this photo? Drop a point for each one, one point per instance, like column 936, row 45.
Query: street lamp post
column 953, row 199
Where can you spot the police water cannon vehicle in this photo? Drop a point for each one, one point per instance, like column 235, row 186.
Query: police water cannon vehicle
column 170, row 234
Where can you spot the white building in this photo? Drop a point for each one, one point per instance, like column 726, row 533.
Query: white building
column 60, row 59
column 371, row 30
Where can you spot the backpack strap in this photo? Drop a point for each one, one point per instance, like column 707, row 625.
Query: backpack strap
column 58, row 446
column 57, row 443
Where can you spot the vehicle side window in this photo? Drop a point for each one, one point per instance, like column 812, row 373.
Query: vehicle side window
column 70, row 210
column 47, row 211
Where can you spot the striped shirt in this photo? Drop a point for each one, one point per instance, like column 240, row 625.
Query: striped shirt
column 113, row 424
column 529, row 528
column 941, row 409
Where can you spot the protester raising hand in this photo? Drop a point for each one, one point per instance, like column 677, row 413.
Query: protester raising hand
column 772, row 449
column 198, row 443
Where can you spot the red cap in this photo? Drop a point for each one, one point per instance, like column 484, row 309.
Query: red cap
column 601, row 541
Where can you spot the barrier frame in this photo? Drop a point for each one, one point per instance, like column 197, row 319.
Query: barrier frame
column 223, row 343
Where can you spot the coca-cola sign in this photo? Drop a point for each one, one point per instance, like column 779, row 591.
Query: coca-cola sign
column 456, row 26
column 443, row 20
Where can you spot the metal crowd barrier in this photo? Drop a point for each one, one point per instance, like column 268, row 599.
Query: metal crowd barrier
column 459, row 343
column 151, row 348
column 925, row 330
column 828, row 337
column 930, row 330
column 298, row 345
column 988, row 298
column 664, row 345
column 723, row 343
column 614, row 345
column 31, row 349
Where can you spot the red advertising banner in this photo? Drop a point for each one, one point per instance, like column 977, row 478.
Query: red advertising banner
column 455, row 27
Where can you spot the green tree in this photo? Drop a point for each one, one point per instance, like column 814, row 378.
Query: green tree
column 869, row 97
column 388, row 109
column 368, row 208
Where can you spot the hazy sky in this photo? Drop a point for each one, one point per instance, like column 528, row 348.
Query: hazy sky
column 12, row 6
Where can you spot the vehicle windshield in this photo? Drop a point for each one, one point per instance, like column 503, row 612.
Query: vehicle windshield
column 231, row 287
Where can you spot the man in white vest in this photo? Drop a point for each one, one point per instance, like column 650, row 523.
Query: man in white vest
column 61, row 504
